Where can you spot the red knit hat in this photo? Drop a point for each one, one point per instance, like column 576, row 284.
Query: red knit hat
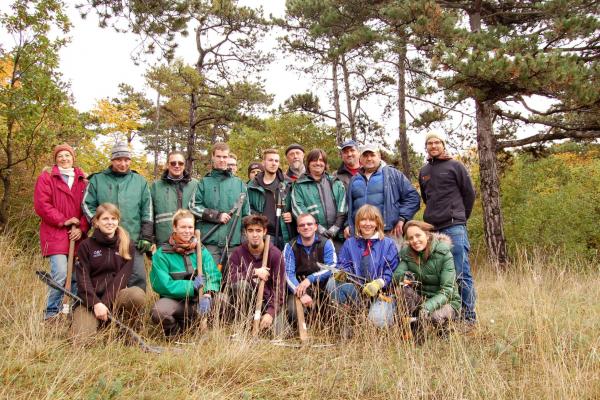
column 63, row 147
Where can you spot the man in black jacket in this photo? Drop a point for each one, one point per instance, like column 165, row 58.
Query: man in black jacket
column 448, row 194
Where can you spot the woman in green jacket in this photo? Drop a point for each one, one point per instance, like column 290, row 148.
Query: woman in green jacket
column 184, row 294
column 427, row 276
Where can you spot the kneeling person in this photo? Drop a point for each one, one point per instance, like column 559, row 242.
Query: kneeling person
column 245, row 270
column 305, row 279
column 184, row 294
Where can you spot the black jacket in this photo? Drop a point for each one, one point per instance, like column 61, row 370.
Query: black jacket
column 447, row 192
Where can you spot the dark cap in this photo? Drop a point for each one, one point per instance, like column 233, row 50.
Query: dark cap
column 294, row 146
column 255, row 165
column 348, row 143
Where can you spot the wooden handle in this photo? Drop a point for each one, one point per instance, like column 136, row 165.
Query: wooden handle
column 302, row 330
column 198, row 252
column 261, row 291
column 70, row 258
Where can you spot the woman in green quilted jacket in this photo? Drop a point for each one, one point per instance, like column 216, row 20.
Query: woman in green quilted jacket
column 184, row 294
column 426, row 276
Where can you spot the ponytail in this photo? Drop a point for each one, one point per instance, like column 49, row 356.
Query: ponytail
column 123, row 243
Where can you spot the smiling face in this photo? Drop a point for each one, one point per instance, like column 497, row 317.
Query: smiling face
column 64, row 159
column 434, row 147
column 121, row 164
column 350, row 157
column 417, row 238
column 107, row 223
column 307, row 226
column 316, row 168
column 255, row 235
column 367, row 228
column 184, row 228
column 370, row 160
column 295, row 158
column 176, row 165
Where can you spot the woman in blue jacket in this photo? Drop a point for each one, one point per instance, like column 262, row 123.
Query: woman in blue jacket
column 369, row 258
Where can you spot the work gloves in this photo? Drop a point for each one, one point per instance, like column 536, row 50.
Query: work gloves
column 198, row 282
column 372, row 288
column 340, row 276
column 211, row 215
column 332, row 232
column 204, row 305
column 143, row 246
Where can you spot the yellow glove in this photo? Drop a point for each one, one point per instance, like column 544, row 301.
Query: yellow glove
column 372, row 288
column 340, row 276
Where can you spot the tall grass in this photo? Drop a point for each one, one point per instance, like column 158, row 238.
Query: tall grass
column 537, row 338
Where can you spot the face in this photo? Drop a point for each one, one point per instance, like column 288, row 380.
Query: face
column 64, row 159
column 367, row 227
column 417, row 238
column 295, row 158
column 121, row 164
column 370, row 160
column 107, row 223
column 307, row 227
column 253, row 173
column 316, row 168
column 184, row 228
column 232, row 164
column 255, row 235
column 219, row 159
column 271, row 163
column 176, row 165
column 350, row 156
column 434, row 147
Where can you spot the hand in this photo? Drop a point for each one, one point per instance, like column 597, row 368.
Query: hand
column 322, row 231
column 143, row 246
column 301, row 288
column 71, row 221
column 287, row 217
column 372, row 288
column 340, row 276
column 346, row 232
column 332, row 232
column 306, row 300
column 198, row 282
column 397, row 231
column 224, row 218
column 101, row 311
column 262, row 273
column 75, row 234
column 266, row 321
column 204, row 305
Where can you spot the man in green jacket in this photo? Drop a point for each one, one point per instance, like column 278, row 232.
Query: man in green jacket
column 268, row 195
column 173, row 191
column 129, row 191
column 317, row 193
column 214, row 197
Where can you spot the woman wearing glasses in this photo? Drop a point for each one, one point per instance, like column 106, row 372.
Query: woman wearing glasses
column 169, row 194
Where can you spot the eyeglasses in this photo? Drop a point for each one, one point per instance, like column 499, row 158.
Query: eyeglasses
column 305, row 224
column 434, row 143
column 176, row 163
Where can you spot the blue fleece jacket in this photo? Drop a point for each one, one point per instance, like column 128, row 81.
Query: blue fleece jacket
column 383, row 259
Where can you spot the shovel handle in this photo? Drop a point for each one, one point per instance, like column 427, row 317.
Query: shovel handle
column 302, row 329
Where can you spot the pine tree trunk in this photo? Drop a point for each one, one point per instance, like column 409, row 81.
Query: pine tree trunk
column 191, row 142
column 336, row 103
column 350, row 113
column 403, row 139
column 490, row 185
column 156, row 134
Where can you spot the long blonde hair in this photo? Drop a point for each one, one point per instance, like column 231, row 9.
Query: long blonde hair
column 122, row 235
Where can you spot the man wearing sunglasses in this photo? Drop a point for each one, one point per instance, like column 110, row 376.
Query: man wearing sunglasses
column 170, row 193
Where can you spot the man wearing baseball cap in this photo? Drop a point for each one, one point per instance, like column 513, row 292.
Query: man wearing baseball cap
column 254, row 169
column 295, row 158
column 129, row 191
column 449, row 196
column 350, row 162
column 384, row 187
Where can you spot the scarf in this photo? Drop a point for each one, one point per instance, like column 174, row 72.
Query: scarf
column 181, row 247
column 68, row 175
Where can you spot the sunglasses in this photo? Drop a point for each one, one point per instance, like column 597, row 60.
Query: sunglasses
column 305, row 224
column 176, row 163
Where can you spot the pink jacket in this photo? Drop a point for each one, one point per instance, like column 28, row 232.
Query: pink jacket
column 55, row 204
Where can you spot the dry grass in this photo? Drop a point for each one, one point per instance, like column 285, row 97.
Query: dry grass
column 538, row 338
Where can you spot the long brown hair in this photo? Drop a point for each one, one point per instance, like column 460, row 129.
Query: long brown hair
column 122, row 235
column 371, row 212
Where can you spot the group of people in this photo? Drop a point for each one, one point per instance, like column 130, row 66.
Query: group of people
column 315, row 238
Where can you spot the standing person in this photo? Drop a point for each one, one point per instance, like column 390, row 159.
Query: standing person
column 57, row 200
column 173, row 191
column 433, row 297
column 129, row 191
column 268, row 190
column 232, row 163
column 384, row 187
column 350, row 162
column 371, row 256
column 449, row 196
column 214, row 196
column 294, row 154
column 104, row 268
column 254, row 169
column 304, row 278
column 184, row 295
column 317, row 193
column 245, row 269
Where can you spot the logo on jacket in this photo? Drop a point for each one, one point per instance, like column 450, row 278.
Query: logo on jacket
column 97, row 253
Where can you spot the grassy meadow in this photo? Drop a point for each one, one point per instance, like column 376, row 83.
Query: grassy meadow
column 538, row 338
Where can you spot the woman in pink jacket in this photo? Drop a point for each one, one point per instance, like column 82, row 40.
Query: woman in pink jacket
column 57, row 200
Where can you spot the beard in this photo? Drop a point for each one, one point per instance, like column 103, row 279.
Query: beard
column 255, row 246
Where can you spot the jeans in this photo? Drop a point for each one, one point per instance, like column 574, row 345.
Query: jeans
column 464, row 279
column 138, row 275
column 58, row 271
column 381, row 313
